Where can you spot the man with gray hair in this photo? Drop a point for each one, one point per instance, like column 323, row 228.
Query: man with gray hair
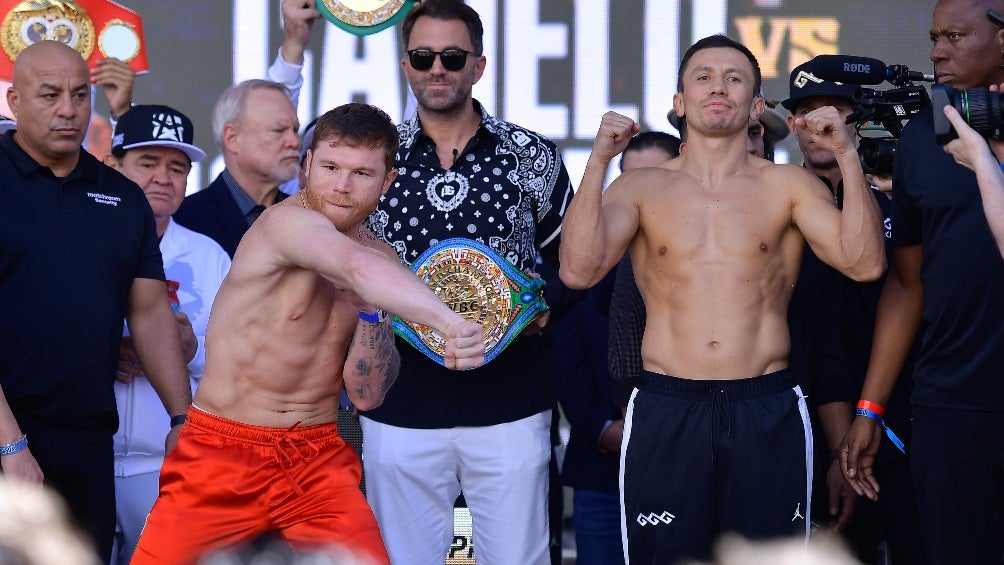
column 255, row 127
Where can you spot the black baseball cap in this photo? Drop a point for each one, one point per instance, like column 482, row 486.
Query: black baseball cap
column 803, row 84
column 155, row 126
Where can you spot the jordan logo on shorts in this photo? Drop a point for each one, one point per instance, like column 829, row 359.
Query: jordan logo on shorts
column 798, row 512
column 654, row 519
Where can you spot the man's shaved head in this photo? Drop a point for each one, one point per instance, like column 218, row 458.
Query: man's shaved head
column 51, row 99
column 45, row 52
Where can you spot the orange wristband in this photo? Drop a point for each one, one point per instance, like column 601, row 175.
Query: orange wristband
column 873, row 406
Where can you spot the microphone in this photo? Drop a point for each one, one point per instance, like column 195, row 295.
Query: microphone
column 862, row 70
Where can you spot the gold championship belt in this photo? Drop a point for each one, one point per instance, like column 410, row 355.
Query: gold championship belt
column 94, row 28
column 363, row 17
column 480, row 285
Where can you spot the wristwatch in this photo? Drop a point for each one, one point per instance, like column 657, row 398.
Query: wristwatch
column 374, row 318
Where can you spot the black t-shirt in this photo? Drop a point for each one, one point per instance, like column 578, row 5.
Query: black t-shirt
column 936, row 203
column 69, row 251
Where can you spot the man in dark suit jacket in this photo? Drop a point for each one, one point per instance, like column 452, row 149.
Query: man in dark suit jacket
column 256, row 128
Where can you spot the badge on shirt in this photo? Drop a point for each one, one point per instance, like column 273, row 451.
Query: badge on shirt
column 480, row 285
column 363, row 17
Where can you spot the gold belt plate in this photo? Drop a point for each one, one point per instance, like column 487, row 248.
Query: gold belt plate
column 480, row 285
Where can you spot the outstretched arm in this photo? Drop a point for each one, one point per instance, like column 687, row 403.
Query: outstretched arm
column 376, row 278
column 372, row 364
column 850, row 240
column 594, row 236
column 975, row 152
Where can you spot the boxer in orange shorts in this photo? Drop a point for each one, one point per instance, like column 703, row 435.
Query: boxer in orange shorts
column 295, row 320
column 237, row 482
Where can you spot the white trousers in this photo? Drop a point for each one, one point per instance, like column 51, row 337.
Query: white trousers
column 413, row 477
column 134, row 497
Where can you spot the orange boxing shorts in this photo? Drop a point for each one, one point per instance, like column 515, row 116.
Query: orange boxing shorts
column 226, row 483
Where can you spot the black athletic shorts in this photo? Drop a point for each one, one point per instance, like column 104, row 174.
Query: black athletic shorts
column 701, row 458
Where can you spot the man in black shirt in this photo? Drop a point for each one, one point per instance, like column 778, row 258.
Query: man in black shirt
column 78, row 253
column 946, row 277
column 831, row 318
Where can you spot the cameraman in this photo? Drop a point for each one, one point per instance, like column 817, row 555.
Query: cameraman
column 831, row 319
column 946, row 277
column 983, row 156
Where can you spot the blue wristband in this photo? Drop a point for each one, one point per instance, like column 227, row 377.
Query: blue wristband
column 16, row 447
column 374, row 318
column 888, row 432
column 178, row 420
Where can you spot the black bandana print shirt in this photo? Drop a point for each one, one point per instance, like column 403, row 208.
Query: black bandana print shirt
column 507, row 189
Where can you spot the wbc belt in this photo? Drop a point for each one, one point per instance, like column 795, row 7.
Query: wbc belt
column 363, row 17
column 480, row 285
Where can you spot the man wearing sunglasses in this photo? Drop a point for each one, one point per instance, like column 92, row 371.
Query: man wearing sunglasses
column 465, row 173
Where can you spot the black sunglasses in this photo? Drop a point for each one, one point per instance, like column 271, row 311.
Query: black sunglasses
column 452, row 59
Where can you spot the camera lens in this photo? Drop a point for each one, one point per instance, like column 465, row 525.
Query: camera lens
column 981, row 110
column 877, row 155
column 979, row 107
column 976, row 108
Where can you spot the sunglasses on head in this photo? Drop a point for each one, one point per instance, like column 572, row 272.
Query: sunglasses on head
column 452, row 59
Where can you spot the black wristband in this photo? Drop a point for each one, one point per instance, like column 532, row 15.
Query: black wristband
column 177, row 420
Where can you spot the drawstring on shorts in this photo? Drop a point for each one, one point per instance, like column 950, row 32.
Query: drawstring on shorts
column 722, row 414
column 286, row 448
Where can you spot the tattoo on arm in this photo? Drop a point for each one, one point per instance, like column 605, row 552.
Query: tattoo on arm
column 376, row 358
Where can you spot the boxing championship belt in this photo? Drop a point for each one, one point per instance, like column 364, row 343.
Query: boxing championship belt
column 480, row 285
column 363, row 17
column 94, row 28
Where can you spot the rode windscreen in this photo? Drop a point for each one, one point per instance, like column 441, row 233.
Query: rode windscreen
column 849, row 69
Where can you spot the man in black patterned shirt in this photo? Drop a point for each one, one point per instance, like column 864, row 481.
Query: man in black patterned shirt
column 465, row 173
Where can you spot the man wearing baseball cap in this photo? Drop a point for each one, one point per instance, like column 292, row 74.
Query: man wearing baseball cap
column 808, row 92
column 152, row 146
column 831, row 319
